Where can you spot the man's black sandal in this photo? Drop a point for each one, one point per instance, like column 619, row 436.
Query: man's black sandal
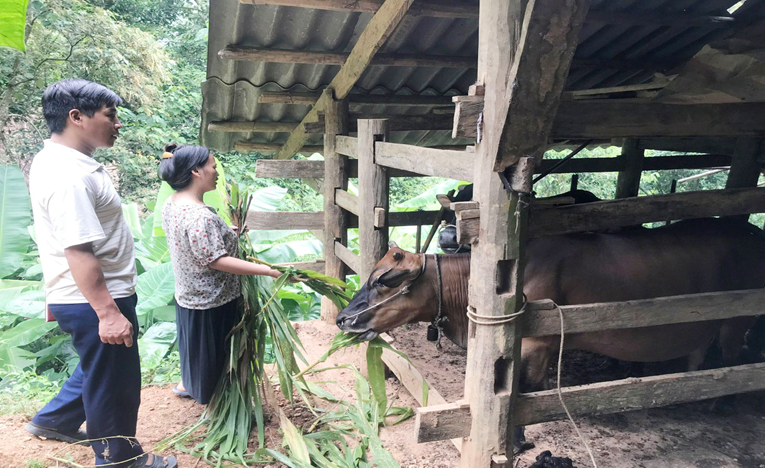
column 54, row 434
column 157, row 461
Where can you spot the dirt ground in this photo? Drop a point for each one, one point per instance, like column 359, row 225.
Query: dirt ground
column 682, row 436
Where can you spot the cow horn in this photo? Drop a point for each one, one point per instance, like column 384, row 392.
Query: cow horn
column 392, row 245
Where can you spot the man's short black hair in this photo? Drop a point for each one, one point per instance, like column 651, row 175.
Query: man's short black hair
column 75, row 93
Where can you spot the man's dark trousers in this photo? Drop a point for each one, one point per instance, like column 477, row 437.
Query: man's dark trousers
column 105, row 388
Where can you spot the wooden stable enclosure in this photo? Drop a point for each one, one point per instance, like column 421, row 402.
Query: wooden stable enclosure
column 541, row 73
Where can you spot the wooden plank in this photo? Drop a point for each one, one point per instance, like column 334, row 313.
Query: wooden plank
column 347, row 146
column 290, row 168
column 639, row 210
column 432, row 162
column 412, row 380
column 255, row 54
column 396, row 122
column 314, row 220
column 614, row 397
column 745, row 167
column 377, row 31
column 254, row 127
column 379, row 217
column 441, row 422
column 317, row 266
column 628, row 181
column 424, row 8
column 335, row 177
column 467, row 111
column 589, row 93
column 639, row 393
column 352, row 260
column 249, row 146
column 373, row 194
column 548, row 40
column 268, row 220
column 414, row 100
column 346, row 201
column 601, row 119
column 542, row 317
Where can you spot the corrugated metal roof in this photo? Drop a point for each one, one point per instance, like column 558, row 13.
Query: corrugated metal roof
column 232, row 88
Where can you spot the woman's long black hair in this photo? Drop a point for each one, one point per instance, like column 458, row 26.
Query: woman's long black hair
column 176, row 171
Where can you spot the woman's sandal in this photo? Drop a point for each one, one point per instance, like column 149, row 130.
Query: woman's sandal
column 156, row 461
column 181, row 393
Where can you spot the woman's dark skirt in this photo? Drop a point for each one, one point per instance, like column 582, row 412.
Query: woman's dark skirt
column 203, row 347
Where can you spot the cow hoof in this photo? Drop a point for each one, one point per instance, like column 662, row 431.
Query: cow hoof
column 519, row 441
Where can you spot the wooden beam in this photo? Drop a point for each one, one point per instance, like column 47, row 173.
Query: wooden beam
column 348, row 146
column 288, row 169
column 276, row 220
column 590, row 93
column 639, row 393
column 467, row 112
column 352, row 260
column 254, row 54
column 628, row 181
column 299, row 169
column 376, row 32
column 314, row 220
column 373, row 194
column 414, row 100
column 335, row 177
column 441, row 422
column 745, row 167
column 413, row 380
column 346, row 201
column 546, row 48
column 251, row 127
column 396, row 122
column 432, row 162
column 250, row 146
column 600, row 119
column 609, row 397
column 302, row 169
column 639, row 210
column 542, row 317
column 425, row 8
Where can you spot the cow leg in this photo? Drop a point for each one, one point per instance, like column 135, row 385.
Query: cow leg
column 731, row 338
column 535, row 359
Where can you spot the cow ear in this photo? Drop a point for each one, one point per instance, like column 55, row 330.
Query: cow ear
column 393, row 278
column 392, row 245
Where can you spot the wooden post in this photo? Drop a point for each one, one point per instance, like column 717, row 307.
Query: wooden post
column 628, row 182
column 335, row 177
column 574, row 182
column 745, row 167
column 373, row 194
column 524, row 53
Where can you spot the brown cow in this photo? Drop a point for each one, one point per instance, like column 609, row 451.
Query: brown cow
column 687, row 257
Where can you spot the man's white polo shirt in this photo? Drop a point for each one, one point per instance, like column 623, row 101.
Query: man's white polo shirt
column 74, row 202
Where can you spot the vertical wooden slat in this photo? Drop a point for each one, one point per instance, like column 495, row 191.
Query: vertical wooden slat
column 373, row 193
column 524, row 52
column 745, row 168
column 335, row 177
column 628, row 181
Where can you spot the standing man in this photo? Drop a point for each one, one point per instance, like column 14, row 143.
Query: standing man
column 88, row 261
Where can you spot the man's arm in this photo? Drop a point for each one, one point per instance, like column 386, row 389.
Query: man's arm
column 113, row 327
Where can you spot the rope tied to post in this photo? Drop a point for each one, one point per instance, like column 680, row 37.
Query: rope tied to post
column 479, row 319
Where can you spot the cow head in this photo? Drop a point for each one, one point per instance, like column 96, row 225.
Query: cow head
column 392, row 296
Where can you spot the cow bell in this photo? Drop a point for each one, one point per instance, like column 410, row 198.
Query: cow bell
column 432, row 333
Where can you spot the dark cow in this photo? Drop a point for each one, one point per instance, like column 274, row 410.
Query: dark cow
column 688, row 257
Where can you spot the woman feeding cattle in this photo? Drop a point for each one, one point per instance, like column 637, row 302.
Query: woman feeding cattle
column 203, row 253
